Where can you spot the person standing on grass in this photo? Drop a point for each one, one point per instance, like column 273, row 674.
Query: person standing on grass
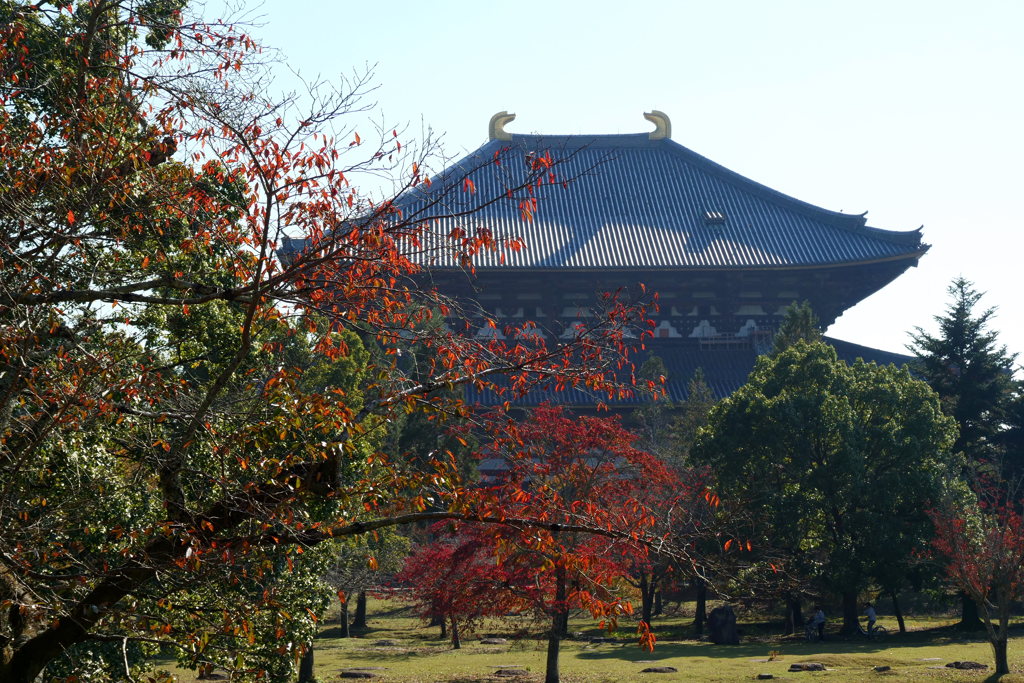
column 872, row 617
column 819, row 622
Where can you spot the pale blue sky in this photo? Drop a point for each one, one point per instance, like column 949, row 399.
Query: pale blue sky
column 910, row 110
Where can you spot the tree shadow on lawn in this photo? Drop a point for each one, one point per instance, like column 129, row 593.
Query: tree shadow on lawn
column 382, row 655
column 836, row 645
column 418, row 635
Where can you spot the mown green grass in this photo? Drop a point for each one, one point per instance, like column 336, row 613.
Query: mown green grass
column 420, row 656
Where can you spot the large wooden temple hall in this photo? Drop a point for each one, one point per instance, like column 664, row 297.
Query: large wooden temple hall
column 726, row 254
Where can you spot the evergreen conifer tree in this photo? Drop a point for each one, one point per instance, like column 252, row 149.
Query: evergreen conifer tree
column 973, row 375
column 798, row 324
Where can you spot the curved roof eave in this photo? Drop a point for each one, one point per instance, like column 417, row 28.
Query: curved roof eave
column 909, row 256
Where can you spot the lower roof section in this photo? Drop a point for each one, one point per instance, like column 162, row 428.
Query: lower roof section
column 725, row 370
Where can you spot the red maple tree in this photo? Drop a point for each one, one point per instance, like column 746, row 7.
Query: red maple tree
column 983, row 548
column 459, row 579
column 584, row 477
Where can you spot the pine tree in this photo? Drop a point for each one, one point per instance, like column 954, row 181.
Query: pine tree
column 970, row 370
column 1011, row 441
column 799, row 324
column 652, row 422
column 973, row 376
column 693, row 413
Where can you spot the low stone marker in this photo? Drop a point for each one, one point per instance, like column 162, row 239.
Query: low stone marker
column 493, row 641
column 765, row 677
column 510, row 672
column 807, row 666
column 386, row 643
column 357, row 673
column 660, row 670
column 880, row 669
column 966, row 665
column 722, row 626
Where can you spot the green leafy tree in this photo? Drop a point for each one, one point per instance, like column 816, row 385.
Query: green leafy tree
column 836, row 463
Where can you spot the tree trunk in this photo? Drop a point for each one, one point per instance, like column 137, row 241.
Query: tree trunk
column 794, row 615
column 359, row 621
column 851, row 623
column 559, row 617
column 999, row 650
column 647, row 590
column 563, row 624
column 897, row 611
column 700, row 613
column 969, row 619
column 306, row 665
column 456, row 640
column 444, row 628
column 659, row 605
column 343, row 619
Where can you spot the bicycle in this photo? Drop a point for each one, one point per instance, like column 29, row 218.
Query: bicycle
column 877, row 631
column 811, row 632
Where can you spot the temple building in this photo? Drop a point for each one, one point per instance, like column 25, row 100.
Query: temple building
column 726, row 254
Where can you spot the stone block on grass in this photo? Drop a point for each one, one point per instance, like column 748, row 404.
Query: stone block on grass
column 967, row 665
column 722, row 626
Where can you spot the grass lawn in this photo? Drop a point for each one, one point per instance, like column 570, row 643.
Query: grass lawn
column 415, row 653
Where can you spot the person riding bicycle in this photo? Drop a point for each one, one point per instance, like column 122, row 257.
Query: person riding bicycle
column 872, row 617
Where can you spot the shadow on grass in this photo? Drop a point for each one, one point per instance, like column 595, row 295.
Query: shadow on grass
column 419, row 635
column 758, row 644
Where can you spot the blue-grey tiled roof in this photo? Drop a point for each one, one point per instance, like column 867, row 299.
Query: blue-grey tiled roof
column 632, row 202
